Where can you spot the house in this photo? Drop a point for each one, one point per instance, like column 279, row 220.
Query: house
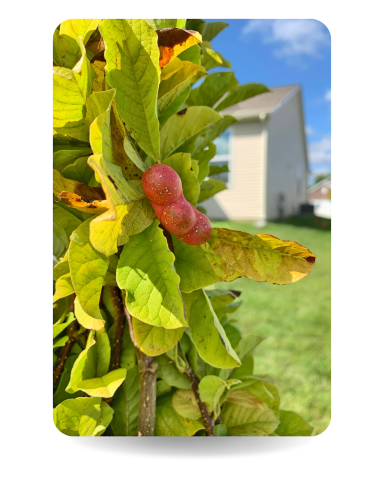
column 320, row 196
column 266, row 154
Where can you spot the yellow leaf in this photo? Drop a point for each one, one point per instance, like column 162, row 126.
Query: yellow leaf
column 173, row 41
column 86, row 320
column 262, row 257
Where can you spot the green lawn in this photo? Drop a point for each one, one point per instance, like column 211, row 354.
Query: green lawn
column 296, row 319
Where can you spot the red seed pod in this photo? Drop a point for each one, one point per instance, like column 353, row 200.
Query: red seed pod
column 178, row 217
column 200, row 233
column 161, row 184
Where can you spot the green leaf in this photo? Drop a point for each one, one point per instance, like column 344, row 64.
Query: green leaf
column 154, row 341
column 97, row 104
column 185, row 404
column 191, row 54
column 244, row 398
column 84, row 367
column 64, row 287
column 66, row 156
column 83, row 27
column 209, row 188
column 175, row 106
column 170, row 424
column 208, row 30
column 212, row 89
column 61, row 342
column 132, row 57
column 181, row 163
column 167, row 371
column 176, row 76
column 247, row 345
column 71, row 88
column 220, row 430
column 126, row 405
column 213, row 132
column 223, row 301
column 162, row 388
column 260, row 386
column 243, row 92
column 88, row 269
column 262, row 257
column 79, row 171
column 104, row 386
column 211, row 59
column 207, row 333
column 243, row 421
column 84, row 417
column 60, row 394
column 130, row 211
column 184, row 125
column 203, row 157
column 63, row 225
column 86, row 320
column 103, row 352
column 217, row 169
column 211, row 388
column 57, row 329
column 157, row 24
column 293, row 425
column 247, row 365
column 146, row 272
column 193, row 267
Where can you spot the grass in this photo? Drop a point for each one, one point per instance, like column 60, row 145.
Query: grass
column 296, row 319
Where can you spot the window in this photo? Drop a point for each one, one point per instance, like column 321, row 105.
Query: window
column 223, row 157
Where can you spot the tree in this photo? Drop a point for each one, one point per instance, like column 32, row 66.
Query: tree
column 142, row 343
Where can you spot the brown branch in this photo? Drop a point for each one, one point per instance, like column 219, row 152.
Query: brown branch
column 119, row 320
column 147, row 379
column 65, row 351
column 208, row 422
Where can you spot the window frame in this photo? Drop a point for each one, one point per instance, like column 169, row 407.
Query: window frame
column 229, row 157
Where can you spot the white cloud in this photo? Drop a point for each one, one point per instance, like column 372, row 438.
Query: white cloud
column 309, row 130
column 294, row 38
column 327, row 95
column 320, row 152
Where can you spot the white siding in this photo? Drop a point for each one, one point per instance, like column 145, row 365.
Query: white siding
column 244, row 200
column 286, row 167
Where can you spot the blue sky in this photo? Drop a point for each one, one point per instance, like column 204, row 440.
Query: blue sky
column 285, row 52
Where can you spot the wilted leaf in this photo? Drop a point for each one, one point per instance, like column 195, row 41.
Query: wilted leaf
column 207, row 333
column 212, row 89
column 98, row 64
column 175, row 78
column 192, row 265
column 293, row 425
column 184, row 125
column 181, row 163
column 243, row 92
column 71, row 88
column 262, row 257
column 146, row 272
column 104, row 386
column 132, row 57
column 88, row 269
column 173, row 41
column 185, row 404
column 84, row 417
column 209, row 188
column 155, row 341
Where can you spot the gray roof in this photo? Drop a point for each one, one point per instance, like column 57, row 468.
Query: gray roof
column 266, row 102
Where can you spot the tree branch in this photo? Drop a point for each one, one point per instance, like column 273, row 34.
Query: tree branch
column 65, row 351
column 147, row 379
column 208, row 422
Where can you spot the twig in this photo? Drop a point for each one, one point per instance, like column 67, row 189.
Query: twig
column 67, row 347
column 147, row 380
column 208, row 422
column 119, row 320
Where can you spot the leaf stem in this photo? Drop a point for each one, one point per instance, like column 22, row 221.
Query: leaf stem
column 208, row 422
column 147, row 381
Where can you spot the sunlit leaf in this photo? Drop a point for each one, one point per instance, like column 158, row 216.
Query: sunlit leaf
column 104, row 386
column 86, row 320
column 173, row 41
column 64, row 287
column 207, row 333
column 155, row 341
column 146, row 272
column 211, row 389
column 132, row 57
column 57, row 329
column 84, row 367
column 157, row 24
